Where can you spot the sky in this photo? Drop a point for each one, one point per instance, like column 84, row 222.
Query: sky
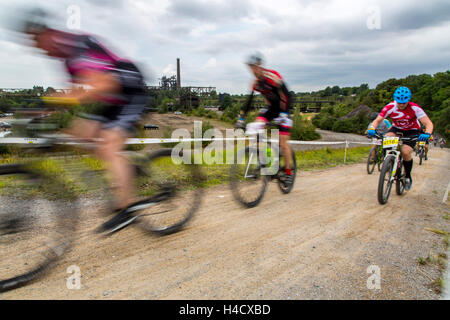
column 311, row 43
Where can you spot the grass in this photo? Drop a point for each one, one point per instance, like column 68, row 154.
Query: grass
column 214, row 174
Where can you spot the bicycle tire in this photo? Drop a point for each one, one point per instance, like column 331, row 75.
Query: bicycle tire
column 173, row 212
column 34, row 246
column 236, row 182
column 383, row 195
column 400, row 181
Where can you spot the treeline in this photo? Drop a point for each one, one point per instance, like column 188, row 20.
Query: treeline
column 432, row 93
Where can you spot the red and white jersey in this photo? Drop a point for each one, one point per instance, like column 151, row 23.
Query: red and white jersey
column 406, row 119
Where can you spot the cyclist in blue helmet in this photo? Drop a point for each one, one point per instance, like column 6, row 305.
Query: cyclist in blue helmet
column 407, row 117
column 402, row 95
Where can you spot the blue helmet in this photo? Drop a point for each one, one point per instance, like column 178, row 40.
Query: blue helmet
column 402, row 95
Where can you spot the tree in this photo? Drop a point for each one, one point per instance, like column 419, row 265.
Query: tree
column 226, row 102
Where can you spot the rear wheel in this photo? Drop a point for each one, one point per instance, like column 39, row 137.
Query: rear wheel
column 171, row 193
column 35, row 230
column 247, row 183
column 385, row 183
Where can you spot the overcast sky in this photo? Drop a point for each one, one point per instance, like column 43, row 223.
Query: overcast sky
column 312, row 43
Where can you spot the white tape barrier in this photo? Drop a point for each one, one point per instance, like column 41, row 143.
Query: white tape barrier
column 157, row 141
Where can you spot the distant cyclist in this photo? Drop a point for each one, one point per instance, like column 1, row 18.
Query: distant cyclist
column 382, row 128
column 427, row 144
column 405, row 116
column 115, row 82
column 272, row 87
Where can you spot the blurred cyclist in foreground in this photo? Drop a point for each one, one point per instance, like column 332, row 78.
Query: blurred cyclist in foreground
column 115, row 82
column 406, row 116
column 272, row 86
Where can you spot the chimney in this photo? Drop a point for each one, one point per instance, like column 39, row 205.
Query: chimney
column 178, row 74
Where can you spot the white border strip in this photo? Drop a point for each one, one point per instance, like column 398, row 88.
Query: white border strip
column 157, row 141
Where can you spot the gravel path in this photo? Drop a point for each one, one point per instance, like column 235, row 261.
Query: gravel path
column 315, row 243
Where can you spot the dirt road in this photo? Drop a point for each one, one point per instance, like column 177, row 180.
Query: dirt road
column 315, row 243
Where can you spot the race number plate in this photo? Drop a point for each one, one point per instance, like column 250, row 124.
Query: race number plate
column 390, row 142
column 422, row 143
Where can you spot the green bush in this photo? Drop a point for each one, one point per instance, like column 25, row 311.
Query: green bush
column 346, row 125
column 302, row 129
column 230, row 114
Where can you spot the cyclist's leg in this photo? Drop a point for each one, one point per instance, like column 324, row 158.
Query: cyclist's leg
column 84, row 129
column 374, row 151
column 114, row 134
column 273, row 113
column 285, row 134
column 407, row 150
column 121, row 170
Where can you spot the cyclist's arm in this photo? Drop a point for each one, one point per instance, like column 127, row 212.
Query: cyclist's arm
column 376, row 122
column 388, row 124
column 285, row 97
column 429, row 127
column 248, row 104
column 100, row 82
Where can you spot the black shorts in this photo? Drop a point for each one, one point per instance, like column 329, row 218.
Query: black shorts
column 273, row 114
column 124, row 117
column 407, row 134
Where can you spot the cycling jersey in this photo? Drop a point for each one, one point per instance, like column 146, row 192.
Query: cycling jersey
column 406, row 119
column 382, row 128
column 274, row 90
column 83, row 53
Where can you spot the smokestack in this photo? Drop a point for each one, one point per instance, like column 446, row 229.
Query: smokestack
column 178, row 74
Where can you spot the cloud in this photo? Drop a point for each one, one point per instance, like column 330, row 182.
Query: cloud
column 313, row 44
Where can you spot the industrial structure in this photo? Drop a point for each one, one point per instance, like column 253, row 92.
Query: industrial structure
column 187, row 97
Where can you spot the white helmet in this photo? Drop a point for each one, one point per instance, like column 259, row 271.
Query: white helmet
column 256, row 59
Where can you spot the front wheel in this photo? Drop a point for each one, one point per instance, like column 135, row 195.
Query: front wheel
column 36, row 228
column 171, row 193
column 400, row 180
column 372, row 160
column 385, row 181
column 421, row 156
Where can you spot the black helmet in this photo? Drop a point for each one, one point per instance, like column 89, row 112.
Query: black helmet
column 29, row 21
column 373, row 116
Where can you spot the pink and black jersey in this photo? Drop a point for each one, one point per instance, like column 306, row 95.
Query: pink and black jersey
column 84, row 53
column 406, row 119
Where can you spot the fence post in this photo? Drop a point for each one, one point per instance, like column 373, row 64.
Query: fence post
column 345, row 152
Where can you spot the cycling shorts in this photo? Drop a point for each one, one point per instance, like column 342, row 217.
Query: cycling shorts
column 407, row 134
column 280, row 118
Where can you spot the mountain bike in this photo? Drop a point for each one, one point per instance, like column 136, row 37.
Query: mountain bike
column 392, row 169
column 261, row 163
column 39, row 207
column 376, row 156
column 421, row 151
